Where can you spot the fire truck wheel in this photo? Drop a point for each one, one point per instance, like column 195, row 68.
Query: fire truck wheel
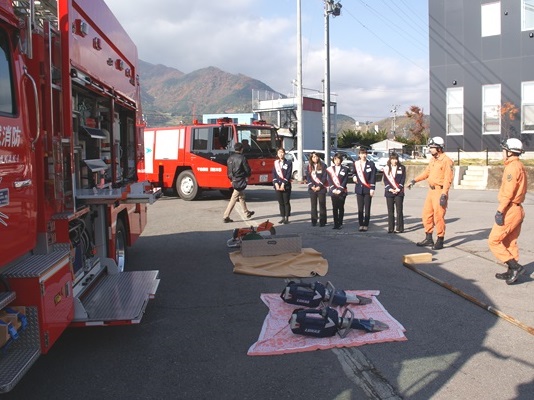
column 187, row 186
column 227, row 193
column 120, row 246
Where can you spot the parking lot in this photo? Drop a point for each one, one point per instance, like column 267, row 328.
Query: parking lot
column 192, row 342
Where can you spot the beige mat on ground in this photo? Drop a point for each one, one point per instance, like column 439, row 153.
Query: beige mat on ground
column 276, row 336
column 308, row 263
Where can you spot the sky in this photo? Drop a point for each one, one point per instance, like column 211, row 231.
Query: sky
column 378, row 48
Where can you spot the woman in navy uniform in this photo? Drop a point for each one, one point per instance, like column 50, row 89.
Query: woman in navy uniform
column 365, row 179
column 282, row 171
column 394, row 178
column 338, row 176
column 317, row 179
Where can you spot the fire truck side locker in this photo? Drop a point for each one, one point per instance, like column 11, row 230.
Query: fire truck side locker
column 45, row 281
column 43, row 284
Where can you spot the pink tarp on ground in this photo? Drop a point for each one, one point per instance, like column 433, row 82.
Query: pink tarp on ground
column 276, row 336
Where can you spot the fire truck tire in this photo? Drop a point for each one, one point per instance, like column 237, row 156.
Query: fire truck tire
column 187, row 186
column 227, row 193
column 121, row 246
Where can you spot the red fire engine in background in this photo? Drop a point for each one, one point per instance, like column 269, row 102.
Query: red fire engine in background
column 71, row 136
column 192, row 158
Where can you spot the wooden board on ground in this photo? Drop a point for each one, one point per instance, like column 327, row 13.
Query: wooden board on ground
column 417, row 258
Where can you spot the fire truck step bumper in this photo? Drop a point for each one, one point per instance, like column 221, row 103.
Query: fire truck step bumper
column 18, row 355
column 117, row 299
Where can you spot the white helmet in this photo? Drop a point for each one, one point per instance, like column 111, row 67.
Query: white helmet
column 513, row 145
column 436, row 141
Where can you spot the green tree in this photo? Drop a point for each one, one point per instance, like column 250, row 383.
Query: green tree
column 351, row 138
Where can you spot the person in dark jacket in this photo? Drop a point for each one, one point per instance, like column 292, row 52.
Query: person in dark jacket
column 282, row 171
column 365, row 179
column 338, row 176
column 238, row 172
column 317, row 179
column 394, row 178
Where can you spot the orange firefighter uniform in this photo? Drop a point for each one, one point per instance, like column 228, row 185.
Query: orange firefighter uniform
column 503, row 239
column 439, row 174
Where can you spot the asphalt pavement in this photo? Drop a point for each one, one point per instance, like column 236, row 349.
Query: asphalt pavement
column 192, row 342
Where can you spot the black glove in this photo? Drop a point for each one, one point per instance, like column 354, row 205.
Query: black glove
column 443, row 200
column 499, row 218
column 411, row 184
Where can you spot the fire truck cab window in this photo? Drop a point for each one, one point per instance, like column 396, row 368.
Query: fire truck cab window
column 200, row 139
column 6, row 89
column 220, row 138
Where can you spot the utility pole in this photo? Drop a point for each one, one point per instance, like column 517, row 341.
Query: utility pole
column 335, row 9
column 300, row 152
column 394, row 122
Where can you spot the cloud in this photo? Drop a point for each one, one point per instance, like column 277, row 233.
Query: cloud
column 238, row 36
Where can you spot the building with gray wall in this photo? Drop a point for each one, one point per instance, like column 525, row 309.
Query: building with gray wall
column 481, row 60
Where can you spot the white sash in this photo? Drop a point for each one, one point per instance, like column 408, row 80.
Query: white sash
column 361, row 176
column 391, row 178
column 314, row 176
column 278, row 167
column 334, row 177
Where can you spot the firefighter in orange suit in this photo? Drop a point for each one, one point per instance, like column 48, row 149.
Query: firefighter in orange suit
column 510, row 214
column 439, row 174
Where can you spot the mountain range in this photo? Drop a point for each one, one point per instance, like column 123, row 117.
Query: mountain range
column 170, row 96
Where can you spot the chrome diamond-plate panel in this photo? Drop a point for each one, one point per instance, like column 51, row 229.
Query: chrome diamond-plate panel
column 6, row 298
column 120, row 297
column 20, row 354
column 37, row 265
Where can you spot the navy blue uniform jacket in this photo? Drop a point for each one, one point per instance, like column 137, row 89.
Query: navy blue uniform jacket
column 400, row 177
column 342, row 176
column 369, row 172
column 321, row 177
column 287, row 170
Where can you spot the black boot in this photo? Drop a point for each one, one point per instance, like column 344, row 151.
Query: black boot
column 516, row 269
column 427, row 242
column 314, row 222
column 439, row 243
column 504, row 275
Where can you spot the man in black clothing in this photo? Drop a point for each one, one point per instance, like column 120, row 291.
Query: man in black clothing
column 238, row 172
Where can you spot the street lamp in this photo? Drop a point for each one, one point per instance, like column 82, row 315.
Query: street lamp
column 334, row 9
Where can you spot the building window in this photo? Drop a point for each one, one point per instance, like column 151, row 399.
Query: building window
column 491, row 19
column 527, row 107
column 455, row 111
column 491, row 105
column 527, row 15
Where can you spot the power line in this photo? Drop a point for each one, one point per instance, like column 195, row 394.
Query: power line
column 387, row 44
column 393, row 24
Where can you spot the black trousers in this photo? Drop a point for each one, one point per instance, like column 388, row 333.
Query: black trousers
column 283, row 203
column 395, row 204
column 364, row 208
column 318, row 197
column 338, row 209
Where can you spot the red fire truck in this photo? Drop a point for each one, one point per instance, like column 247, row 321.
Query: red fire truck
column 71, row 135
column 192, row 158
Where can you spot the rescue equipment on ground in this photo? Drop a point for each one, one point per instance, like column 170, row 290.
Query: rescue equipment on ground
column 313, row 294
column 326, row 322
column 263, row 230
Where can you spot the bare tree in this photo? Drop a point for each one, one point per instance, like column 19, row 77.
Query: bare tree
column 508, row 112
column 419, row 128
